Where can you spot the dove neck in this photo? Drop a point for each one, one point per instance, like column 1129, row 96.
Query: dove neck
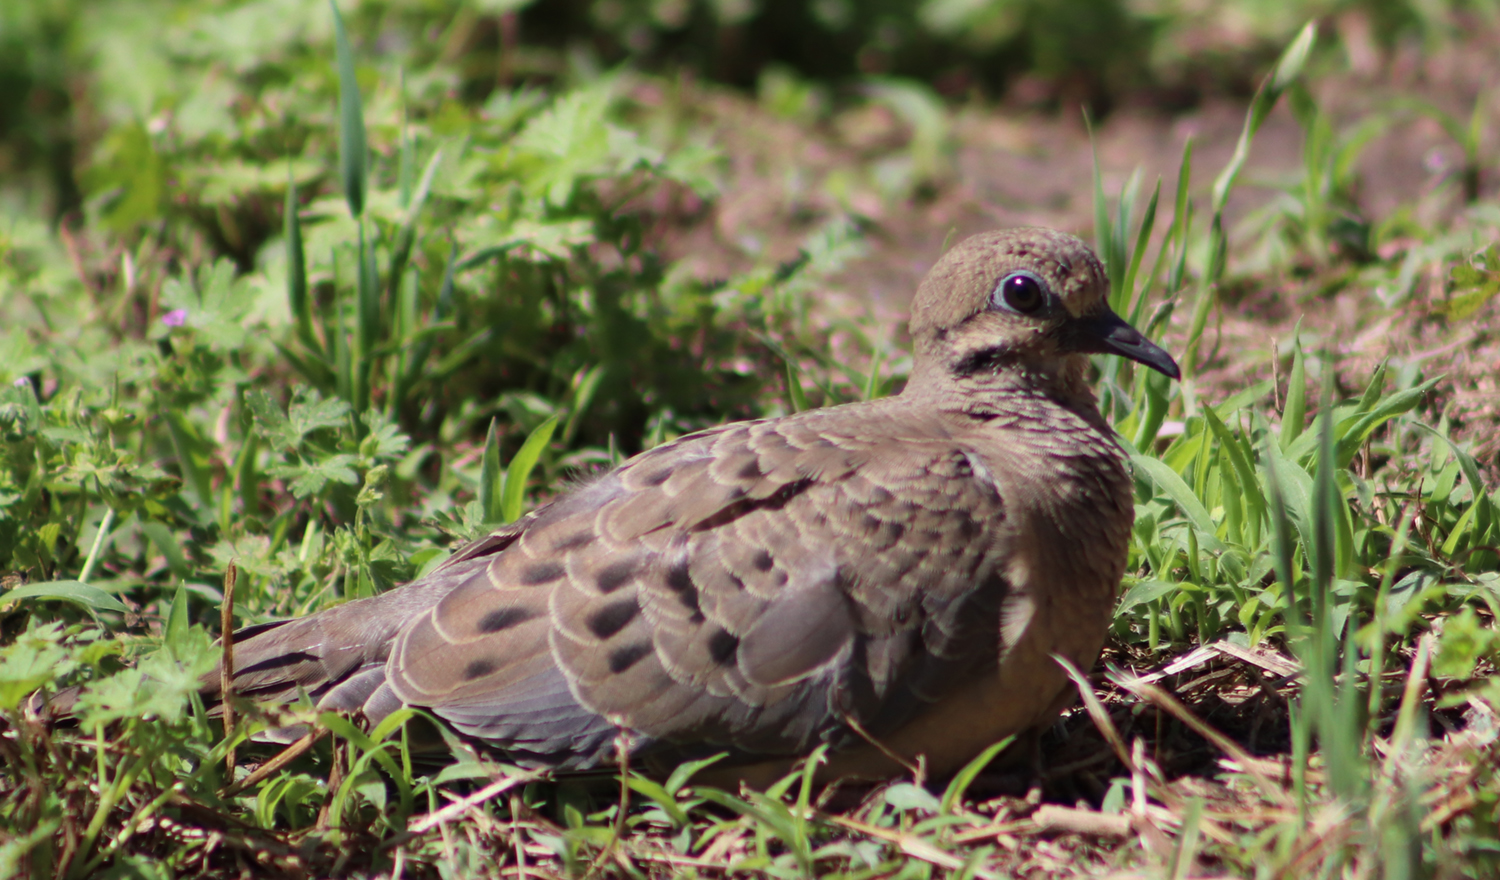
column 1005, row 386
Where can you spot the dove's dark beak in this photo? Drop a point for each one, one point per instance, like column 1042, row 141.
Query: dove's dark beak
column 1107, row 333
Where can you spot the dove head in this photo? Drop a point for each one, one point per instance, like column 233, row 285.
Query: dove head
column 1020, row 309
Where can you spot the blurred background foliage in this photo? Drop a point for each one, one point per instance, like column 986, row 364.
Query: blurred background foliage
column 75, row 74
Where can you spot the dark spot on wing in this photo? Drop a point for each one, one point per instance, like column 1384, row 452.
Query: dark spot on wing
column 680, row 579
column 763, row 560
column 542, row 573
column 504, row 618
column 613, row 617
column 479, row 669
column 722, row 645
column 582, row 539
column 614, row 576
column 621, row 659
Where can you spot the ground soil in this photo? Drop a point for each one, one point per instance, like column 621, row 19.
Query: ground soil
column 1008, row 164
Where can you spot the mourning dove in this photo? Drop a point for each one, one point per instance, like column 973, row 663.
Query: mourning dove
column 889, row 577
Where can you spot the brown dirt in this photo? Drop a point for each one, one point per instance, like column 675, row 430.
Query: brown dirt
column 1009, row 165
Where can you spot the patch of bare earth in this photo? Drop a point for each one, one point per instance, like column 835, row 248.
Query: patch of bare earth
column 1011, row 166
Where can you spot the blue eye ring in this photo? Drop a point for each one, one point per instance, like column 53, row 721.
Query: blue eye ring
column 1020, row 292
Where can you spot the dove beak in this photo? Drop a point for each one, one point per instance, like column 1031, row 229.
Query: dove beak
column 1107, row 333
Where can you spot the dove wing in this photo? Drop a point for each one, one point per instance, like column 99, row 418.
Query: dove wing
column 751, row 586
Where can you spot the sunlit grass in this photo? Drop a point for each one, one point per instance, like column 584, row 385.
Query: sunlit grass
column 463, row 309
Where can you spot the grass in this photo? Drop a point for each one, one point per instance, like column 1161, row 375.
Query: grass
column 213, row 418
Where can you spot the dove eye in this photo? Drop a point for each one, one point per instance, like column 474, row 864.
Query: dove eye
column 1019, row 292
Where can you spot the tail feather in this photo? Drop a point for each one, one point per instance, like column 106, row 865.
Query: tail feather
column 337, row 657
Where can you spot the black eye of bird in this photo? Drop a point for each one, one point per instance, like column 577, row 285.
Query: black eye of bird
column 1020, row 292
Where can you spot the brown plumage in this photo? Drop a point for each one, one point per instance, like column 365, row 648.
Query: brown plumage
column 901, row 568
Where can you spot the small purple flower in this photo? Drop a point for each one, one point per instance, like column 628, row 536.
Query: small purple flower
column 175, row 318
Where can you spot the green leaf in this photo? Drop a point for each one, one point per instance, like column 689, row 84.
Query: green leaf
column 685, row 771
column 1170, row 482
column 168, row 545
column 175, row 631
column 520, row 469
column 296, row 266
column 1353, row 434
column 70, row 591
column 35, row 659
column 271, row 421
column 309, row 478
column 1239, row 458
column 1145, row 591
column 1473, row 284
column 965, row 777
column 796, row 398
column 1294, row 411
column 660, row 796
column 353, row 154
column 1464, row 642
column 491, row 477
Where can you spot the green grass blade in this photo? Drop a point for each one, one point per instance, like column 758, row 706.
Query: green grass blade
column 584, row 396
column 873, row 385
column 1239, row 459
column 1155, row 401
column 520, row 469
column 413, row 202
column 174, row 633
column 1294, row 411
column 353, row 153
column 491, row 477
column 1288, row 68
column 90, row 597
column 685, row 771
column 192, row 454
column 416, row 358
column 1354, row 433
column 1283, row 550
column 965, row 777
column 1170, row 482
column 1325, row 496
column 296, row 265
column 366, row 321
column 795, row 396
column 1103, row 228
column 1136, row 298
column 1483, row 504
